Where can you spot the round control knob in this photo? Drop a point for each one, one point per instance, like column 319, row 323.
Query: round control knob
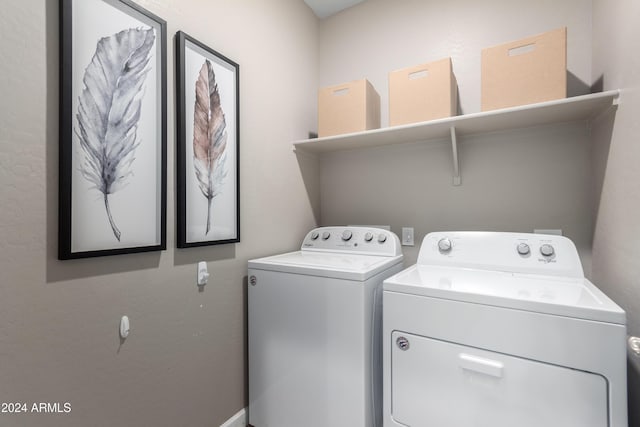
column 315, row 235
column 326, row 235
column 368, row 237
column 523, row 249
column 444, row 245
column 382, row 238
column 346, row 235
column 547, row 250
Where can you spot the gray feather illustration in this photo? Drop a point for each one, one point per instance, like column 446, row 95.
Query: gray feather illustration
column 209, row 137
column 109, row 110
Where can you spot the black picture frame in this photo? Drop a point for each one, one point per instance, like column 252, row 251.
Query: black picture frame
column 113, row 133
column 208, row 176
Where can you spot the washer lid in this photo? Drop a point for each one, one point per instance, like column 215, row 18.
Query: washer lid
column 327, row 264
column 563, row 296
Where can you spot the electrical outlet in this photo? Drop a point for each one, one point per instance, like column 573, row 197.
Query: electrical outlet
column 407, row 236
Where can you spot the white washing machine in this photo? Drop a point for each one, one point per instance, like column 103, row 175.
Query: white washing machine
column 501, row 330
column 315, row 329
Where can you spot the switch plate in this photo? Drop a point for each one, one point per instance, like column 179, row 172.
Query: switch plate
column 407, row 236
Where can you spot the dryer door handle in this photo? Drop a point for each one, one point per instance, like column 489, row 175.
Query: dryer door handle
column 490, row 367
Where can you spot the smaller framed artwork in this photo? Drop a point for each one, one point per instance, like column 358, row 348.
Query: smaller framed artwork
column 208, row 149
column 113, row 139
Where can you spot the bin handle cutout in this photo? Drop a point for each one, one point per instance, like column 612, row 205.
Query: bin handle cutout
column 521, row 50
column 418, row 74
column 341, row 92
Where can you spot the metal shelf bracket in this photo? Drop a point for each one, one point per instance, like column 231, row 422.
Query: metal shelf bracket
column 456, row 164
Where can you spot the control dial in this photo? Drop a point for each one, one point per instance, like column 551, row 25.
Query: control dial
column 444, row 245
column 368, row 237
column 346, row 235
column 547, row 250
column 524, row 249
column 382, row 238
column 315, row 235
column 326, row 235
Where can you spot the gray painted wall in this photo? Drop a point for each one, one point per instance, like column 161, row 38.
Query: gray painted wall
column 184, row 362
column 616, row 249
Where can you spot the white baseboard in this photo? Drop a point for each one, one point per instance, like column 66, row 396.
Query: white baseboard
column 238, row 420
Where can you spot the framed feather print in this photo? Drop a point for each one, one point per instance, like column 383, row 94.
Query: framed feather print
column 208, row 152
column 113, row 140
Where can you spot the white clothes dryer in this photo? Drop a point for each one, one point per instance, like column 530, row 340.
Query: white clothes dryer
column 314, row 320
column 501, row 330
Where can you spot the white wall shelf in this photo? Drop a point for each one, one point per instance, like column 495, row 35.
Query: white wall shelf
column 584, row 107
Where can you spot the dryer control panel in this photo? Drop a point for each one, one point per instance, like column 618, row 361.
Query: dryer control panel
column 514, row 252
column 355, row 240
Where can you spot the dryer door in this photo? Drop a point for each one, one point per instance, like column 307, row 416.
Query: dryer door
column 437, row 383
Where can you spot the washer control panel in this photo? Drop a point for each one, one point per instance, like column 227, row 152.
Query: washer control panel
column 359, row 240
column 513, row 252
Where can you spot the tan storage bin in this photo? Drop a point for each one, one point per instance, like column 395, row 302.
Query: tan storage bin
column 421, row 93
column 349, row 107
column 526, row 71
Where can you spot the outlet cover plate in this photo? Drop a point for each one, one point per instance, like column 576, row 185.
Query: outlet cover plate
column 407, row 236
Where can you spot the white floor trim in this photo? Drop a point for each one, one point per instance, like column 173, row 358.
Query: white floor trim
column 238, row 420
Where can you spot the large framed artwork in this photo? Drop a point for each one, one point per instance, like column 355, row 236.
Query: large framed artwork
column 113, row 141
column 208, row 155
